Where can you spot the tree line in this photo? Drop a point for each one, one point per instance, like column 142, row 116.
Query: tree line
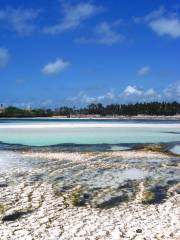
column 152, row 108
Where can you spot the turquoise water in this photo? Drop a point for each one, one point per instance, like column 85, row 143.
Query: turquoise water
column 175, row 149
column 85, row 135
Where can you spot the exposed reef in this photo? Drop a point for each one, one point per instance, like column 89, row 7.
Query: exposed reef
column 131, row 194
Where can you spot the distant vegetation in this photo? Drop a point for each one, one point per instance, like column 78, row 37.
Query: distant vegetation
column 18, row 112
column 153, row 108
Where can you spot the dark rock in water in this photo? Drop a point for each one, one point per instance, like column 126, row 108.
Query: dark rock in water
column 177, row 190
column 173, row 163
column 3, row 185
column 155, row 195
column 86, row 196
column 66, row 188
column 172, row 182
column 113, row 201
column 21, row 174
column 59, row 178
column 37, row 178
column 14, row 216
column 160, row 193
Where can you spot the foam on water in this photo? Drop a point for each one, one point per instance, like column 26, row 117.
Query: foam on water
column 119, row 148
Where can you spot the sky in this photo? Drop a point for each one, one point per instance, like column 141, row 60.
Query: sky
column 75, row 52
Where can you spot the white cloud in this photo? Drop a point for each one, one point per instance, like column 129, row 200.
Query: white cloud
column 144, row 71
column 83, row 98
column 135, row 94
column 47, row 102
column 172, row 92
column 107, row 34
column 150, row 92
column 131, row 94
column 19, row 20
column 155, row 14
column 132, row 91
column 166, row 26
column 55, row 67
column 74, row 15
column 4, row 57
column 163, row 22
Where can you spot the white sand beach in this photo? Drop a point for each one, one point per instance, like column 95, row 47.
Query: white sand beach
column 89, row 125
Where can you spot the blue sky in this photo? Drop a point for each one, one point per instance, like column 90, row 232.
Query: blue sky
column 59, row 52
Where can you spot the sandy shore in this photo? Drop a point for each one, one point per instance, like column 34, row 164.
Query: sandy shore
column 110, row 117
column 89, row 125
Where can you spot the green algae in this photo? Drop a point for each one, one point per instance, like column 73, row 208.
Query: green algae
column 78, row 197
column 2, row 208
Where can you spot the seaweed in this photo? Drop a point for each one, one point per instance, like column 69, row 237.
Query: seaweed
column 2, row 208
column 79, row 197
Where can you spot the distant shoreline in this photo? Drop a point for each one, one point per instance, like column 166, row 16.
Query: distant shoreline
column 97, row 117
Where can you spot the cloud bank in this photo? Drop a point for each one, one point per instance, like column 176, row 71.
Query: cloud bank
column 131, row 94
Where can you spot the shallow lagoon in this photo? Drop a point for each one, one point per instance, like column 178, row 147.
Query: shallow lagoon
column 106, row 135
column 46, row 132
